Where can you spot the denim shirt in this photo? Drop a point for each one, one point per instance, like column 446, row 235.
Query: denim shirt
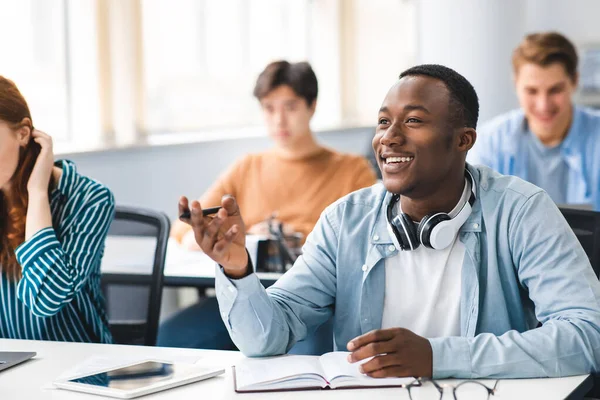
column 523, row 264
column 500, row 146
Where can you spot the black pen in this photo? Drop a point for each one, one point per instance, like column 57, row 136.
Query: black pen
column 205, row 212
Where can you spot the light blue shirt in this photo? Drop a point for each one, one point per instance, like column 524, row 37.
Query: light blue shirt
column 547, row 168
column 522, row 264
column 504, row 145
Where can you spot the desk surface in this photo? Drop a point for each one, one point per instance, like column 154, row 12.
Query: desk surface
column 30, row 380
column 133, row 256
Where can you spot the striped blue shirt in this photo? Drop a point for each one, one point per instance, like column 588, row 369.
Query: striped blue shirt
column 58, row 296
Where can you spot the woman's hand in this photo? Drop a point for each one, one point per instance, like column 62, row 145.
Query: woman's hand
column 40, row 176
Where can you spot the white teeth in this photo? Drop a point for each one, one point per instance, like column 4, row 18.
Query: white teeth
column 398, row 159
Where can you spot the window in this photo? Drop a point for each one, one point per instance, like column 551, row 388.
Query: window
column 100, row 73
column 49, row 51
column 34, row 57
column 201, row 58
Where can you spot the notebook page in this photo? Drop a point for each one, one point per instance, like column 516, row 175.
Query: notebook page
column 302, row 382
column 339, row 372
column 269, row 370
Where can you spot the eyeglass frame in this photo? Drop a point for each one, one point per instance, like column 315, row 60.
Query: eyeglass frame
column 418, row 382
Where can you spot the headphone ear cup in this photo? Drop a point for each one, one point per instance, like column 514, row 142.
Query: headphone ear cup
column 426, row 226
column 421, row 225
column 394, row 235
column 409, row 233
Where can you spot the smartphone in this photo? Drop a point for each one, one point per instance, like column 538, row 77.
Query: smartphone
column 205, row 212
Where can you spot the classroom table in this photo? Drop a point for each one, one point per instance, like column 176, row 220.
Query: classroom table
column 32, row 379
column 129, row 260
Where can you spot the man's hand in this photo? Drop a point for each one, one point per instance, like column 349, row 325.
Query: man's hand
column 222, row 237
column 396, row 352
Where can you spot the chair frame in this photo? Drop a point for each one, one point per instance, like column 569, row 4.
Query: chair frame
column 569, row 214
column 161, row 222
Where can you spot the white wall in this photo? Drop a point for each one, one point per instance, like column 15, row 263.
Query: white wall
column 379, row 39
column 155, row 177
column 577, row 19
column 477, row 38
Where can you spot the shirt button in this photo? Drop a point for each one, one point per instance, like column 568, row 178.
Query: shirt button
column 364, row 268
column 376, row 237
column 475, row 226
column 231, row 288
column 392, row 247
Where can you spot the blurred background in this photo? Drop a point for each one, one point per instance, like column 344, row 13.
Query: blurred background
column 160, row 92
column 154, row 97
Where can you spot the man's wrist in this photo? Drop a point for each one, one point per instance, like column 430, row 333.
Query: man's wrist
column 242, row 273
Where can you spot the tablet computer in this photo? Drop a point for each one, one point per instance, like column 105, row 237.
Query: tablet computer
column 138, row 379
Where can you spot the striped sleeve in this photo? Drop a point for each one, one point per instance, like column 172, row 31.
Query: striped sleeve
column 53, row 272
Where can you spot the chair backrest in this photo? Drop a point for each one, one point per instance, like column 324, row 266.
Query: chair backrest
column 140, row 292
column 586, row 225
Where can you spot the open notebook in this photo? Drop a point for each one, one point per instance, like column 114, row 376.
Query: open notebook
column 289, row 372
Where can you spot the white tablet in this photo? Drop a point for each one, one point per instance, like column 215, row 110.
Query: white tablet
column 138, row 379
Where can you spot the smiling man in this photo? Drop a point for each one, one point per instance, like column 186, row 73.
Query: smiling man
column 549, row 141
column 460, row 293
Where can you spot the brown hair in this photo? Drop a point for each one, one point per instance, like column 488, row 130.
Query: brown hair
column 299, row 76
column 13, row 209
column 546, row 48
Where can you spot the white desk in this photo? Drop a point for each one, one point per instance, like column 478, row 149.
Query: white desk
column 132, row 257
column 29, row 380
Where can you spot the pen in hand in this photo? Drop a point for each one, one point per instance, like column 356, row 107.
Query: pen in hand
column 206, row 211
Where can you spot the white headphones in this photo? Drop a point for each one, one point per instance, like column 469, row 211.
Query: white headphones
column 436, row 231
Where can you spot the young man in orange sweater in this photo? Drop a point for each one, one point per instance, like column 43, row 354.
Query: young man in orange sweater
column 295, row 180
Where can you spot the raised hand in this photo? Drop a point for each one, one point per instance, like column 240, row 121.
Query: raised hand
column 222, row 237
column 42, row 170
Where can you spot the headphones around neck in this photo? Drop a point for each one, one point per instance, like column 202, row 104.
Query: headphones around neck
column 435, row 231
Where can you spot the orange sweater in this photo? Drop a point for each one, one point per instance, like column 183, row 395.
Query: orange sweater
column 296, row 190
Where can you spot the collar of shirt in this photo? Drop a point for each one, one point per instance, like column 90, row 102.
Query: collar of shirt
column 67, row 181
column 380, row 235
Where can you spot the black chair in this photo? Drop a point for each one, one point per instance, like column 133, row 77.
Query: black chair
column 586, row 226
column 133, row 300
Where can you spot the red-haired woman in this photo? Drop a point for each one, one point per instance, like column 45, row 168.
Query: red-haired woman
column 53, row 223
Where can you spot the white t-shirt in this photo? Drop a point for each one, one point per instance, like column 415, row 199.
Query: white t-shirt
column 423, row 286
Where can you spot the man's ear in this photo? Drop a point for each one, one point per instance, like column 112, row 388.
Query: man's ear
column 313, row 107
column 576, row 80
column 467, row 138
column 24, row 131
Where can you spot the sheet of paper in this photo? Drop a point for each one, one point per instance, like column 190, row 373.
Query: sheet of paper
column 271, row 369
column 336, row 365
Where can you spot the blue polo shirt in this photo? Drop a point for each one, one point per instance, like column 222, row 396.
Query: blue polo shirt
column 569, row 172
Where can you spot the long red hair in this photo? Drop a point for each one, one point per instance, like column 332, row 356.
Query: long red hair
column 13, row 209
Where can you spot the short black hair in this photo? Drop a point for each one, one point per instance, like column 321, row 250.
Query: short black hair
column 299, row 76
column 464, row 105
